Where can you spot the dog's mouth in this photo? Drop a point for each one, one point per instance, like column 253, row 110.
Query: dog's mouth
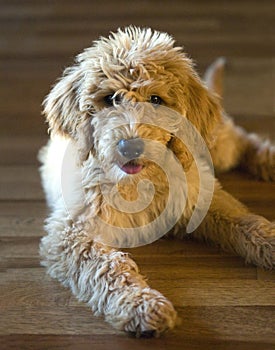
column 132, row 167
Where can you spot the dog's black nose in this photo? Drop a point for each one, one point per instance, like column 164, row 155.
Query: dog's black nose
column 131, row 148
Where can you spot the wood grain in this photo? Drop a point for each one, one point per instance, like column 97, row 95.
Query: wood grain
column 222, row 302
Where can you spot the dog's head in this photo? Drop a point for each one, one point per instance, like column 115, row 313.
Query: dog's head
column 132, row 65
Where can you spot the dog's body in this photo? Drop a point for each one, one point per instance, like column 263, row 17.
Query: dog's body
column 132, row 69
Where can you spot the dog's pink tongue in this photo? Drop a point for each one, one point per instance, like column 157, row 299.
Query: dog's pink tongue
column 131, row 169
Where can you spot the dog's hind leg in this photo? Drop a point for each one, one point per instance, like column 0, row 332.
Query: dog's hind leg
column 230, row 224
column 233, row 146
column 108, row 280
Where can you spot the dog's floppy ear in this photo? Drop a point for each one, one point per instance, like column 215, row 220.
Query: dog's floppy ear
column 203, row 108
column 62, row 105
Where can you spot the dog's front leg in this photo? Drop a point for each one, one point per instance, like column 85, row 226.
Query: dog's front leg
column 109, row 281
column 234, row 228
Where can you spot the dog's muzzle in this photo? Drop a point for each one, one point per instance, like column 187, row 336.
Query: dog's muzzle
column 131, row 149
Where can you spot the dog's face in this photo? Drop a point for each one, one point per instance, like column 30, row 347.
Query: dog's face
column 131, row 66
column 133, row 139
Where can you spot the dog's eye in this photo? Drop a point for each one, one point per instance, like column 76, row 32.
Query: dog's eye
column 109, row 100
column 156, row 100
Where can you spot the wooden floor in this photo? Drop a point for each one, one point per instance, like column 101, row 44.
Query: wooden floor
column 223, row 303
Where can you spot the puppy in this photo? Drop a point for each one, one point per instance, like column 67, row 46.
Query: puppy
column 131, row 127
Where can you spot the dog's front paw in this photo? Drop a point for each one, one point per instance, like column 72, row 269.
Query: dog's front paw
column 260, row 241
column 268, row 251
column 152, row 315
column 144, row 313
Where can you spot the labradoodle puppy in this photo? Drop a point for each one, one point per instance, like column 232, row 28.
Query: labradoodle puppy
column 125, row 164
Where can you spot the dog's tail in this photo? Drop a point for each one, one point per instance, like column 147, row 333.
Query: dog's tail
column 214, row 76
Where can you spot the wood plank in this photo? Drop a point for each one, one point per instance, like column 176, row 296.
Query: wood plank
column 53, row 8
column 17, row 247
column 198, row 45
column 87, row 342
column 218, row 292
column 21, row 151
column 200, row 270
column 241, row 323
column 20, row 183
column 56, row 320
column 258, row 196
column 26, row 226
column 122, row 342
column 250, row 87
